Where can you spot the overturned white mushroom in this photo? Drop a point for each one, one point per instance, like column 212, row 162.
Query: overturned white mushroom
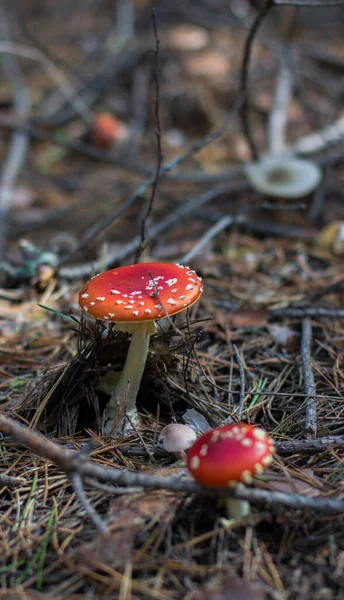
column 284, row 177
column 177, row 438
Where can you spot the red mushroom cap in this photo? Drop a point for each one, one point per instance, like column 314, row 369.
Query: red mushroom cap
column 229, row 454
column 104, row 130
column 143, row 292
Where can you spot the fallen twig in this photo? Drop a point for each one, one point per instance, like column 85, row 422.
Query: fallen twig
column 210, row 235
column 70, row 463
column 308, row 379
column 242, row 381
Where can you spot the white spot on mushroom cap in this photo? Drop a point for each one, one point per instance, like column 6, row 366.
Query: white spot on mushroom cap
column 260, row 447
column 85, row 308
column 195, row 463
column 100, row 298
column 259, row 434
column 171, row 301
column 115, row 292
column 171, row 282
column 189, row 287
column 84, row 295
column 246, row 476
column 258, row 469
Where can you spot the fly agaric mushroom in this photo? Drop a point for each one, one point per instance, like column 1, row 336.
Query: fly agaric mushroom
column 106, row 130
column 134, row 297
column 284, row 177
column 229, row 455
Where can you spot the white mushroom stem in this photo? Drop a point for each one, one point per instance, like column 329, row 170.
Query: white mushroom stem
column 237, row 509
column 126, row 389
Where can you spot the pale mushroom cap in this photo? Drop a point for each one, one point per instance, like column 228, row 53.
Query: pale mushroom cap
column 284, row 177
column 177, row 437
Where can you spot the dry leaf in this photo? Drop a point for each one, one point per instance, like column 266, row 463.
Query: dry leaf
column 248, row 318
column 131, row 513
column 302, row 482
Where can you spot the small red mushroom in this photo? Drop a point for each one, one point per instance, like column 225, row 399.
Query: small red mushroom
column 134, row 297
column 106, row 130
column 228, row 455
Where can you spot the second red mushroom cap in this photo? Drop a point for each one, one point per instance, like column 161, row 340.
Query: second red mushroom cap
column 229, row 454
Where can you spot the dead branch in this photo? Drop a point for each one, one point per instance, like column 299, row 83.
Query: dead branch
column 70, row 463
column 308, row 379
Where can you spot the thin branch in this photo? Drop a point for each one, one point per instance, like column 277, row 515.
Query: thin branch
column 315, row 445
column 70, row 463
column 245, row 76
column 285, row 447
column 10, row 481
column 53, row 72
column 145, row 218
column 91, row 512
column 317, row 3
column 242, row 381
column 209, row 235
column 76, row 146
column 319, row 140
column 308, row 379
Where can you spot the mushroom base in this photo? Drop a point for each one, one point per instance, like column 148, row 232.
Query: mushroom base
column 237, row 509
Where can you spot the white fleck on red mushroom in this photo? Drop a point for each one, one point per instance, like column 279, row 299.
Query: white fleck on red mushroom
column 134, row 297
column 229, row 455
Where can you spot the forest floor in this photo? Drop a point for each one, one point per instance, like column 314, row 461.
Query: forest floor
column 264, row 345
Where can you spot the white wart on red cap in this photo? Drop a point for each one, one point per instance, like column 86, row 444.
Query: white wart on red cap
column 142, row 292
